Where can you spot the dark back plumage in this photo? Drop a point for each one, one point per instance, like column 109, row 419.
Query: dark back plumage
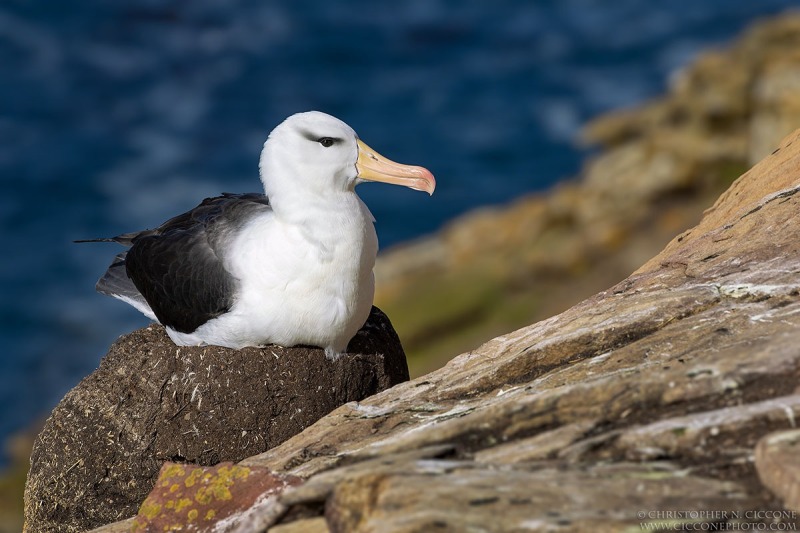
column 177, row 268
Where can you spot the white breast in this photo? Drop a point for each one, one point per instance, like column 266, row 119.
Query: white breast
column 307, row 281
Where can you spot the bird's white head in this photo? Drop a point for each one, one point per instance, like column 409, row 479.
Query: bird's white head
column 314, row 153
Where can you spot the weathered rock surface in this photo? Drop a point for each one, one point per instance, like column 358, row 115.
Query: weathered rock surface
column 642, row 404
column 778, row 465
column 193, row 498
column 660, row 166
column 151, row 401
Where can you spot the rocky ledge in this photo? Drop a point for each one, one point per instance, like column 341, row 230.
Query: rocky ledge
column 150, row 401
column 667, row 398
column 660, row 165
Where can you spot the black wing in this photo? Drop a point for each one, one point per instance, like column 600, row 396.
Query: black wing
column 115, row 282
column 177, row 267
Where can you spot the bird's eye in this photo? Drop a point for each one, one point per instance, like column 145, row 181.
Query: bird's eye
column 327, row 142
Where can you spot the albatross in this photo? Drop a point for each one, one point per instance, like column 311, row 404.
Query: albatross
column 293, row 266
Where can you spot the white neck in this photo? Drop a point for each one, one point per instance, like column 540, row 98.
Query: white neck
column 296, row 187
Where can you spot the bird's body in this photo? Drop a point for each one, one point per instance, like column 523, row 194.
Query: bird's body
column 302, row 298
column 291, row 267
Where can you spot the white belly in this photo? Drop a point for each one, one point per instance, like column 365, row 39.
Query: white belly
column 299, row 285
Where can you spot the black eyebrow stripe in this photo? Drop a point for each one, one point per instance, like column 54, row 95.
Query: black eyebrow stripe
column 311, row 136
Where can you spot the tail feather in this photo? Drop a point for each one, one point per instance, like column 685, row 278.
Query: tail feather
column 116, row 283
column 105, row 239
column 125, row 239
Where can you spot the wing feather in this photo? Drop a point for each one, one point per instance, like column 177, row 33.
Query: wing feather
column 177, row 268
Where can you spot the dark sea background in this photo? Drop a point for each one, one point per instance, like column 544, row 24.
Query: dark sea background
column 117, row 115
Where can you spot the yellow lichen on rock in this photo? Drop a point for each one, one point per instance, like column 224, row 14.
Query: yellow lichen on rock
column 194, row 499
column 150, row 509
column 172, row 470
column 217, row 487
column 193, row 477
column 182, row 504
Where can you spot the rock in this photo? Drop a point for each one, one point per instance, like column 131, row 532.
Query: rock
column 518, row 498
column 661, row 165
column 778, row 465
column 196, row 498
column 638, row 408
column 309, row 525
column 151, row 401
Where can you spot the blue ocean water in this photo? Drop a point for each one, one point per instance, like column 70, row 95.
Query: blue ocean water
column 117, row 115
